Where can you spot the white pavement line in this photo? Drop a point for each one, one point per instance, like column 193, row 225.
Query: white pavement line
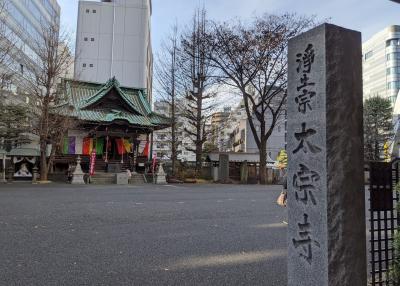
column 219, row 201
column 138, row 203
column 181, row 202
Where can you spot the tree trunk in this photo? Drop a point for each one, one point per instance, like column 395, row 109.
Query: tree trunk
column 43, row 164
column 263, row 162
column 199, row 129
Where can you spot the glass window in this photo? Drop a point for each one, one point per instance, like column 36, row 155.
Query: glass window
column 393, row 85
column 368, row 55
column 393, row 56
column 392, row 42
column 50, row 8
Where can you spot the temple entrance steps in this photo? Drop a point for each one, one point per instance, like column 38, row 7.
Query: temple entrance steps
column 100, row 165
column 137, row 179
column 102, row 178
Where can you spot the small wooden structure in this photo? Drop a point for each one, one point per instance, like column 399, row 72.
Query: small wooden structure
column 237, row 171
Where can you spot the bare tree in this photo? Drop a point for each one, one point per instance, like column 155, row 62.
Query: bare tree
column 166, row 75
column 253, row 59
column 196, row 77
column 41, row 81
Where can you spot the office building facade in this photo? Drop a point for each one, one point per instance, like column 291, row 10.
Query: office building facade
column 381, row 64
column 22, row 24
column 113, row 40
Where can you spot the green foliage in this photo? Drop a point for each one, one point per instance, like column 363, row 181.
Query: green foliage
column 14, row 124
column 282, row 159
column 378, row 127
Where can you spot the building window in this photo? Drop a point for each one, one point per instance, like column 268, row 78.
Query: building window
column 84, row 65
column 392, row 42
column 393, row 56
column 94, row 11
column 91, row 65
column 393, row 85
column 368, row 55
column 92, row 39
column 87, row 10
column 85, row 39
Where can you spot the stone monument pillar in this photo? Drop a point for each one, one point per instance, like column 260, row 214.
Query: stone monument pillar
column 77, row 176
column 244, row 173
column 223, row 169
column 326, row 204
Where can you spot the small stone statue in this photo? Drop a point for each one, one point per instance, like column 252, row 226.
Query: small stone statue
column 23, row 172
column 161, row 176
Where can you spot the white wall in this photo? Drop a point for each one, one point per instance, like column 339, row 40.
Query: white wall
column 120, row 33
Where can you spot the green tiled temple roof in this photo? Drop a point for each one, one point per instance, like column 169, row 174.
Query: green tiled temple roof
column 81, row 98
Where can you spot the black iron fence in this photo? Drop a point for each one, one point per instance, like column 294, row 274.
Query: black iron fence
column 384, row 218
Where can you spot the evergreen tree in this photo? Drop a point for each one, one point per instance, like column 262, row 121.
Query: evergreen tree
column 378, row 127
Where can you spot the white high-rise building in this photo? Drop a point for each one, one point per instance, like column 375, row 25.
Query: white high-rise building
column 113, row 40
column 22, row 22
column 381, row 64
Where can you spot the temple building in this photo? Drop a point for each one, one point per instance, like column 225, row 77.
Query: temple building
column 112, row 120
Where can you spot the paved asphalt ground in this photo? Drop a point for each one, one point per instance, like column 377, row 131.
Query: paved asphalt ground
column 142, row 235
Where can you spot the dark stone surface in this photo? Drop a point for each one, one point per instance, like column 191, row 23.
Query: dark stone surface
column 223, row 171
column 336, row 218
column 141, row 235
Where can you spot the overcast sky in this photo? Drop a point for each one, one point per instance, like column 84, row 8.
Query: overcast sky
column 367, row 16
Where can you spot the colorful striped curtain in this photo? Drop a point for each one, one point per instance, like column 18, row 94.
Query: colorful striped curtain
column 87, row 146
column 99, row 145
column 146, row 149
column 120, row 146
column 127, row 145
column 65, row 146
column 71, row 145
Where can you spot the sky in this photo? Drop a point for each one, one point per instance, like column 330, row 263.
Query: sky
column 366, row 16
